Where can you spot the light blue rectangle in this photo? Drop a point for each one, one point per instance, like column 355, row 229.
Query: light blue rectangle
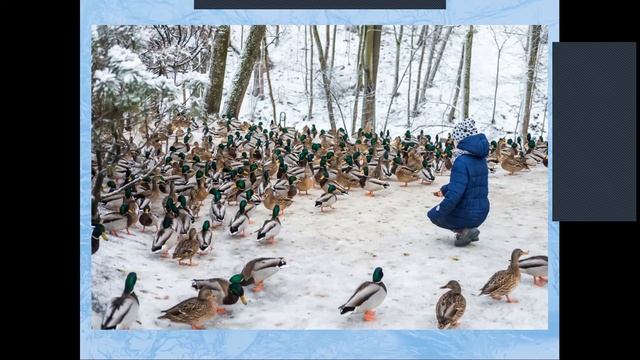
column 301, row 343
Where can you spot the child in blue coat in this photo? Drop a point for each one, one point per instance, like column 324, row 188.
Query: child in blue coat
column 466, row 204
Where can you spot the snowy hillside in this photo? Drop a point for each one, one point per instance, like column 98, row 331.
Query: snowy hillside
column 288, row 74
column 329, row 254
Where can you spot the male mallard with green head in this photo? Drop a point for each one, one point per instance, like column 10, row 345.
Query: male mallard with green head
column 240, row 221
column 147, row 218
column 123, row 310
column 205, row 237
column 327, row 199
column 367, row 297
column 257, row 270
column 229, row 291
column 271, row 227
column 165, row 238
column 536, row 266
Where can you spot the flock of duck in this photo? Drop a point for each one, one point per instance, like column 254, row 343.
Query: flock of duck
column 164, row 186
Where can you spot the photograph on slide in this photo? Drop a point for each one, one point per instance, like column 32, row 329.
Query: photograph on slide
column 319, row 177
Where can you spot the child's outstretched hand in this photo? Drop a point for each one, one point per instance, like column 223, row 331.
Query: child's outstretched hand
column 438, row 193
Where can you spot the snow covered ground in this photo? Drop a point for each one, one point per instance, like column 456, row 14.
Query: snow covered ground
column 330, row 254
column 288, row 75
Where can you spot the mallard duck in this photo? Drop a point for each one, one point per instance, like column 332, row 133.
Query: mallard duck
column 230, row 291
column 292, row 190
column 166, row 238
column 123, row 310
column 404, row 174
column 187, row 247
column 271, row 227
column 503, row 282
column 257, row 270
column 185, row 216
column 368, row 296
column 450, row 306
column 327, row 199
column 194, row 311
column 98, row 231
column 205, row 236
column 306, row 183
column 536, row 266
column 148, row 219
column 371, row 184
column 270, row 200
column 126, row 216
column 513, row 165
column 426, row 174
column 218, row 208
column 240, row 220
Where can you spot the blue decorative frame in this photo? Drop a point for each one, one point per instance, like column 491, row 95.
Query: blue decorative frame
column 301, row 343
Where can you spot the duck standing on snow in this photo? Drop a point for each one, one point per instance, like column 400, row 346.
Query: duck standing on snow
column 536, row 266
column 187, row 247
column 185, row 216
column 229, row 291
column 257, row 270
column 450, row 306
column 165, row 238
column 271, row 227
column 98, row 231
column 205, row 236
column 218, row 208
column 426, row 174
column 194, row 311
column 371, row 184
column 504, row 282
column 368, row 296
column 327, row 199
column 120, row 220
column 240, row 220
column 147, row 218
column 122, row 311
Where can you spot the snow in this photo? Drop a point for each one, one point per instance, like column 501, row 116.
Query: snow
column 329, row 254
column 288, row 75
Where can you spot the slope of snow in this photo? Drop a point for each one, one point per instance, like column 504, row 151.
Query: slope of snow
column 330, row 254
column 288, row 75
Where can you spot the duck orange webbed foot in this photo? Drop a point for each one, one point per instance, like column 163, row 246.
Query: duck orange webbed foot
column 259, row 287
column 370, row 315
column 511, row 301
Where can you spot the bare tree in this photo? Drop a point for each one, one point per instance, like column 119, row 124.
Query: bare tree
column 333, row 50
column 241, row 79
column 267, row 66
column 457, row 89
column 500, row 45
column 422, row 40
column 325, row 78
column 360, row 56
column 467, row 71
column 398, row 37
column 435, row 36
column 310, row 76
column 370, row 68
column 217, row 68
column 409, row 82
column 533, row 60
column 443, row 44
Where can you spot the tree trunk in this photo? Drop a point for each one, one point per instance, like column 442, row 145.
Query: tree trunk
column 266, row 55
column 409, row 82
column 457, row 91
column 327, row 35
column 533, row 59
column 432, row 51
column 325, row 78
column 360, row 56
column 310, row 77
column 217, row 69
column 398, row 46
column 370, row 68
column 333, row 51
column 422, row 43
column 277, row 40
column 306, row 63
column 443, row 44
column 241, row 79
column 495, row 91
column 467, row 72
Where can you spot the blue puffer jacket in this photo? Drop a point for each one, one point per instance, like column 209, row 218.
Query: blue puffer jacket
column 465, row 203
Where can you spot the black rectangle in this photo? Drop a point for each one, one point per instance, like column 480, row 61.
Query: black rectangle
column 594, row 131
column 316, row 4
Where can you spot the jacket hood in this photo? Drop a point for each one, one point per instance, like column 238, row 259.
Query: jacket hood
column 477, row 145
